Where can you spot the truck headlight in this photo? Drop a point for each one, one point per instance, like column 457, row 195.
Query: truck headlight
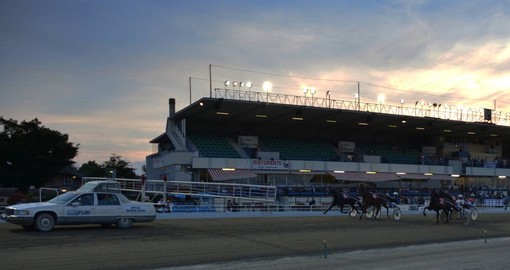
column 21, row 212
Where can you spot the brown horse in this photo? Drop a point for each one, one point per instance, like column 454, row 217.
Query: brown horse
column 440, row 201
column 342, row 198
column 375, row 200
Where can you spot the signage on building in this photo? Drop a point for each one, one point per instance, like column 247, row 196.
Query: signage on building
column 268, row 164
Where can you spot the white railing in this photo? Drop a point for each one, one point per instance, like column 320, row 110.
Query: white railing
column 205, row 189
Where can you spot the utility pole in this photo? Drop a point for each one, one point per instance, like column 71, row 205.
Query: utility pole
column 210, row 80
column 189, row 90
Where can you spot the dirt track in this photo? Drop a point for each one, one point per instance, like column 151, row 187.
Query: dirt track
column 166, row 243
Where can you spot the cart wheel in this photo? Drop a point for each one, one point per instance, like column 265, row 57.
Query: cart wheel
column 465, row 217
column 370, row 212
column 353, row 212
column 444, row 217
column 397, row 214
column 454, row 215
column 474, row 214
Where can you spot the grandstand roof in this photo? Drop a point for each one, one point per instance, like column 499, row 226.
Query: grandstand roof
column 241, row 117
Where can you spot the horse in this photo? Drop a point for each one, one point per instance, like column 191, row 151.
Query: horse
column 342, row 198
column 440, row 200
column 375, row 200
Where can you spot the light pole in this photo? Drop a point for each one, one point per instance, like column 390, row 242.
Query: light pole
column 267, row 86
column 249, row 85
column 381, row 99
column 313, row 91
column 305, row 91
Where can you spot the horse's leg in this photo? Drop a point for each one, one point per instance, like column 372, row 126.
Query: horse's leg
column 437, row 216
column 425, row 208
column 327, row 210
column 376, row 210
column 363, row 211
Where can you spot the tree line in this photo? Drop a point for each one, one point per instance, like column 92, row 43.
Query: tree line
column 30, row 154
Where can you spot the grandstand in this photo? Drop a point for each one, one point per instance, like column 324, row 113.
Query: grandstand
column 272, row 139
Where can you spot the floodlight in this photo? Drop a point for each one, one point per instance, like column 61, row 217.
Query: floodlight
column 249, row 84
column 267, row 86
column 227, row 83
column 381, row 98
column 234, row 84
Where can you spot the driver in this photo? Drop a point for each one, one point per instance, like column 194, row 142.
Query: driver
column 395, row 197
column 460, row 201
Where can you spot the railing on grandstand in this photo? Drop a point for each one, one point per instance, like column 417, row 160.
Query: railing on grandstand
column 415, row 108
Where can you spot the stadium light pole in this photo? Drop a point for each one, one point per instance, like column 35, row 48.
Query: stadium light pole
column 328, row 98
column 267, row 86
column 381, row 99
column 210, row 80
column 305, row 91
column 359, row 98
column 189, row 90
column 249, row 85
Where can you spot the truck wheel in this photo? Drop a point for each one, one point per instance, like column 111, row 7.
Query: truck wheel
column 124, row 223
column 44, row 222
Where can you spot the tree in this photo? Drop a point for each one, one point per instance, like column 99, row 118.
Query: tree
column 31, row 153
column 121, row 167
column 92, row 169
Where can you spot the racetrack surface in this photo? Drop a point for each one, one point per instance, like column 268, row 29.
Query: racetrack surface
column 187, row 242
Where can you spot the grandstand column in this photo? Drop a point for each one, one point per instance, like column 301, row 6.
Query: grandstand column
column 143, row 187
column 164, row 188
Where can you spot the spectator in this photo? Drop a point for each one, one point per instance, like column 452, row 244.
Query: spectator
column 312, row 202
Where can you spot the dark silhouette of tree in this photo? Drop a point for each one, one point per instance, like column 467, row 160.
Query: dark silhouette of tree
column 92, row 169
column 120, row 167
column 30, row 153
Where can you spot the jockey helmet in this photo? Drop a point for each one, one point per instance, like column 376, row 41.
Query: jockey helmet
column 460, row 196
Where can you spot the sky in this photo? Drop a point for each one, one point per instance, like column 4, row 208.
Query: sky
column 103, row 71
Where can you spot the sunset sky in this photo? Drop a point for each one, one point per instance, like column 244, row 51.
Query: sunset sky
column 102, row 71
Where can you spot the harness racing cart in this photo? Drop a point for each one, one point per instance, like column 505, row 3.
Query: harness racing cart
column 371, row 210
column 357, row 209
column 466, row 213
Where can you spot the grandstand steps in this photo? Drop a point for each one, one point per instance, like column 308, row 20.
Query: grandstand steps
column 238, row 148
